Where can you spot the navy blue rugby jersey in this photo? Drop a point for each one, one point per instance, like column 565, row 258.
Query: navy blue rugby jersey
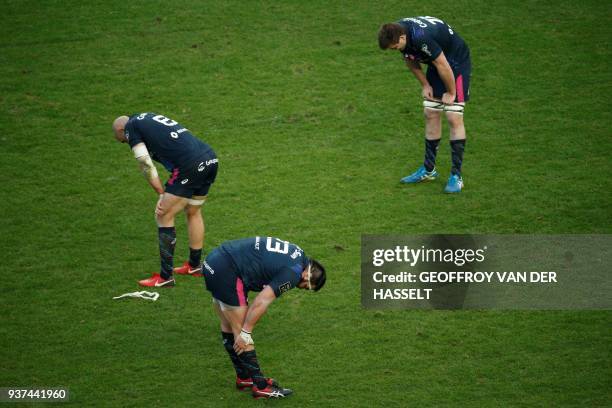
column 268, row 261
column 430, row 36
column 167, row 141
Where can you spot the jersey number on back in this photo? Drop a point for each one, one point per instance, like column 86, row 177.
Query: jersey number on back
column 164, row 120
column 277, row 245
column 434, row 21
column 430, row 20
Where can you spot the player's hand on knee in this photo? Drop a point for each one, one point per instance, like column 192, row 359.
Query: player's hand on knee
column 239, row 346
column 448, row 98
column 243, row 342
column 427, row 92
column 159, row 208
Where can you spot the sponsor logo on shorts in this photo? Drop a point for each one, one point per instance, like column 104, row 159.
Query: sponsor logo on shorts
column 184, row 181
column 208, row 268
column 284, row 287
column 203, row 165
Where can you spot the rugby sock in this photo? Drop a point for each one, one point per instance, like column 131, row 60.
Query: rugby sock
column 228, row 343
column 431, row 148
column 167, row 242
column 249, row 361
column 457, row 148
column 195, row 256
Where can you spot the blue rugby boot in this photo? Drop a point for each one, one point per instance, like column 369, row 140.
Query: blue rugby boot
column 420, row 175
column 454, row 185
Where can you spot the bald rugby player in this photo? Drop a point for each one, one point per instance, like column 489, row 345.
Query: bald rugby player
column 193, row 168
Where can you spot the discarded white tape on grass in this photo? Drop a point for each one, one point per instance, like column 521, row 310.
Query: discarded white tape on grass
column 141, row 295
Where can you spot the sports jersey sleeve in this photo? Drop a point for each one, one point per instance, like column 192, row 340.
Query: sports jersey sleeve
column 133, row 134
column 428, row 46
column 287, row 279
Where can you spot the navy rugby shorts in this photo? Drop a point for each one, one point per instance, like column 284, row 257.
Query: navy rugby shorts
column 462, row 81
column 194, row 180
column 221, row 279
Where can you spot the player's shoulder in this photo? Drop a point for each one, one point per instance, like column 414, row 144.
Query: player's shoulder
column 415, row 28
column 136, row 119
column 140, row 116
column 237, row 242
column 241, row 247
column 411, row 23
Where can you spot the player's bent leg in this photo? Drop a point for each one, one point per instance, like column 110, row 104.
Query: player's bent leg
column 455, row 123
column 262, row 387
column 167, row 207
column 195, row 225
column 195, row 221
column 235, row 316
column 243, row 378
column 433, row 128
column 226, row 326
column 195, row 229
column 433, row 123
column 244, row 382
column 457, row 145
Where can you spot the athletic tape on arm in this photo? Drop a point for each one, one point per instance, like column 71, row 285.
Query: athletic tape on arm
column 140, row 150
column 147, row 167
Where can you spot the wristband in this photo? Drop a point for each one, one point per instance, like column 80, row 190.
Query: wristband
column 246, row 336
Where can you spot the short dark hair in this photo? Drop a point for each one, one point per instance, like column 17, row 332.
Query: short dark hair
column 317, row 275
column 389, row 34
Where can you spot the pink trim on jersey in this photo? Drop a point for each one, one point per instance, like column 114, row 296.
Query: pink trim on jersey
column 240, row 292
column 459, row 86
column 172, row 179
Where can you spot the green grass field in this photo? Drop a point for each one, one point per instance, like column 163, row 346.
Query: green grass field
column 314, row 126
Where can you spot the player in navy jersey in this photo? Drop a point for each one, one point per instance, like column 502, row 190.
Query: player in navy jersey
column 429, row 40
column 266, row 265
column 193, row 168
